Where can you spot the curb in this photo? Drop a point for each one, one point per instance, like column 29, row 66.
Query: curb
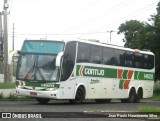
column 7, row 92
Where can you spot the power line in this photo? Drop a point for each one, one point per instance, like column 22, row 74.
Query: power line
column 61, row 34
column 117, row 6
column 140, row 11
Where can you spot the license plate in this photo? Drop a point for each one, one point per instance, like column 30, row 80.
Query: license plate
column 33, row 93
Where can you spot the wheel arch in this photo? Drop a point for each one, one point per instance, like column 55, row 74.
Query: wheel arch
column 80, row 85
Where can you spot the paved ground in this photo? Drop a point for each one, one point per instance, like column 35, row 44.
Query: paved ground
column 67, row 112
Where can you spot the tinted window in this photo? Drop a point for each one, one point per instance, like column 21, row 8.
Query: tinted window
column 83, row 52
column 150, row 62
column 128, row 59
column 108, row 56
column 145, row 62
column 119, row 57
column 137, row 60
column 68, row 60
column 96, row 54
column 111, row 56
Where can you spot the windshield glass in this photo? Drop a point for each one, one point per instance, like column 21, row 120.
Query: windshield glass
column 41, row 46
column 37, row 67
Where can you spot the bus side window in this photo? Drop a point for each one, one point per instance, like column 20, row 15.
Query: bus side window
column 83, row 53
column 96, row 54
column 145, row 62
column 108, row 56
column 119, row 57
column 137, row 60
column 150, row 62
column 128, row 59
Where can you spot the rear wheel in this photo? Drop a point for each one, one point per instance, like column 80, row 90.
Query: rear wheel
column 80, row 96
column 132, row 96
column 103, row 100
column 139, row 95
column 43, row 100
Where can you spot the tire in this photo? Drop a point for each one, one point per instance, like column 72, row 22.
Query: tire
column 103, row 100
column 80, row 96
column 139, row 95
column 43, row 100
column 132, row 96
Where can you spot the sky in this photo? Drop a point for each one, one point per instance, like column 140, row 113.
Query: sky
column 72, row 19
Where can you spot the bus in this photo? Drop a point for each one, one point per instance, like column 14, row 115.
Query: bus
column 79, row 70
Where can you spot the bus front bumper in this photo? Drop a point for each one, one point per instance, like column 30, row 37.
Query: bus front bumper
column 36, row 93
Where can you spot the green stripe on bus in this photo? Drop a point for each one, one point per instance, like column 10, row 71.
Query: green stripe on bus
column 121, row 83
column 91, row 71
column 143, row 75
column 124, row 75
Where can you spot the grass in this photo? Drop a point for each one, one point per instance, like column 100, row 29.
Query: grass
column 7, row 85
column 149, row 109
column 155, row 98
column 156, row 90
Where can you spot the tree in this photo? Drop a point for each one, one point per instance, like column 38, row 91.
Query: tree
column 155, row 19
column 142, row 35
column 131, row 29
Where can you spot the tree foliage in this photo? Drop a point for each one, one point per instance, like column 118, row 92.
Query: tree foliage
column 140, row 35
column 130, row 30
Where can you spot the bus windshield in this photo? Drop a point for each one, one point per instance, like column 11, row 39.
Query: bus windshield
column 46, row 47
column 37, row 60
column 37, row 67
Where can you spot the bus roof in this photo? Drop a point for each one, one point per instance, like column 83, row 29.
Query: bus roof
column 97, row 42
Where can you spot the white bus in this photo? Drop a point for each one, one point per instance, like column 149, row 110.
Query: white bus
column 79, row 70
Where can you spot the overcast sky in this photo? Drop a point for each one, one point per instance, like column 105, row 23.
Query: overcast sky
column 69, row 19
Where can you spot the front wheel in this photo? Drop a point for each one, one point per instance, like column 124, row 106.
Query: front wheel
column 43, row 100
column 80, row 96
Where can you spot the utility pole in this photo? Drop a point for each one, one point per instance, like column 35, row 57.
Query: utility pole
column 7, row 70
column 13, row 38
column 1, row 45
column 110, row 33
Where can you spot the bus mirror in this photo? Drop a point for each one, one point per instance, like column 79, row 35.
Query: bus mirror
column 58, row 59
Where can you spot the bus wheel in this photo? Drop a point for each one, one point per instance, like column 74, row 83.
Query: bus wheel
column 43, row 100
column 103, row 100
column 139, row 95
column 132, row 96
column 80, row 96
